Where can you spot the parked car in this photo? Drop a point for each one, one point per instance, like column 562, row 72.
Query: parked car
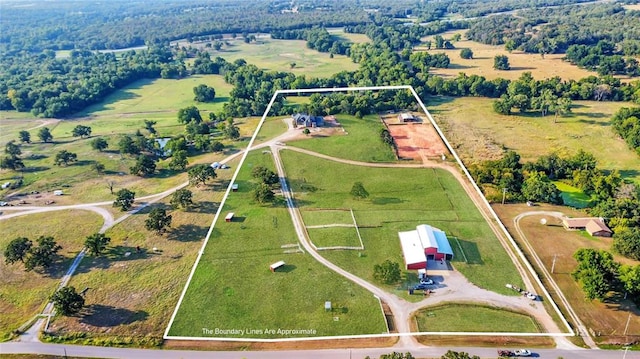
column 522, row 352
column 420, row 286
column 426, row 281
column 503, row 353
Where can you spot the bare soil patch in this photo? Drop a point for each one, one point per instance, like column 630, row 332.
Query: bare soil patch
column 416, row 140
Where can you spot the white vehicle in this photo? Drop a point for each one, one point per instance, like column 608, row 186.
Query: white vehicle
column 426, row 281
column 522, row 352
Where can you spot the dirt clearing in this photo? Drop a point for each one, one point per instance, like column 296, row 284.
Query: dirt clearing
column 416, row 140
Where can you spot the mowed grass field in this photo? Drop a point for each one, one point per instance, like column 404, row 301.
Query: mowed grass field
column 278, row 55
column 360, row 140
column 460, row 317
column 400, row 199
column 132, row 296
column 608, row 318
column 233, row 287
column 478, row 133
column 24, row 294
column 160, row 95
column 550, row 66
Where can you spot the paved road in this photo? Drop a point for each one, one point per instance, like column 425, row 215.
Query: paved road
column 423, row 352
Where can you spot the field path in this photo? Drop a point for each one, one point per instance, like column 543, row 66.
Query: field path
column 582, row 329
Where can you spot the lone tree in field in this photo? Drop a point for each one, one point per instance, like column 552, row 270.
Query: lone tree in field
column 358, row 191
column 501, row 62
column 67, row 301
column 178, row 161
column 25, row 136
column 17, row 250
column 124, row 199
column 96, row 243
column 182, row 198
column 99, row 144
column 43, row 255
column 148, row 125
column 263, row 193
column 466, row 54
column 81, row 131
column 45, row 135
column 158, row 221
column 265, row 175
column 388, row 272
column 188, row 114
column 65, row 157
column 204, row 93
column 199, row 174
column 12, row 149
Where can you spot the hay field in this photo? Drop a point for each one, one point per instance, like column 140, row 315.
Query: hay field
column 482, row 63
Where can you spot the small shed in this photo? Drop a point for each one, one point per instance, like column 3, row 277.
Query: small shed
column 58, row 192
column 229, row 217
column 276, row 265
column 234, row 187
column 406, row 117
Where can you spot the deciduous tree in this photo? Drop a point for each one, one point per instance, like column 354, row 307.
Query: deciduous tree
column 81, row 131
column 96, row 243
column 44, row 134
column 158, row 221
column 199, row 174
column 204, row 93
column 67, row 301
column 358, row 191
column 25, row 136
column 145, row 166
column 124, row 199
column 182, row 198
column 65, row 157
column 43, row 255
column 17, row 250
column 99, row 144
column 263, row 193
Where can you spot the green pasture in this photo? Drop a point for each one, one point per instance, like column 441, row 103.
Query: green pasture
column 458, row 317
column 573, row 196
column 348, row 37
column 400, row 199
column 360, row 141
column 271, row 128
column 234, row 288
column 24, row 294
column 324, row 216
column 471, row 124
column 150, row 96
column 334, row 237
column 278, row 55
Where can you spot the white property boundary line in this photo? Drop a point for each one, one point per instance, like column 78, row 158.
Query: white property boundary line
column 458, row 160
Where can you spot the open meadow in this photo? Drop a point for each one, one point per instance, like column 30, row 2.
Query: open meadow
column 605, row 320
column 234, row 288
column 79, row 180
column 478, row 133
column 481, row 64
column 359, row 141
column 24, row 294
column 462, row 317
column 133, row 295
column 286, row 55
column 400, row 199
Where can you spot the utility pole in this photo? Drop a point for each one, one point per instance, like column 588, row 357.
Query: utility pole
column 504, row 194
column 553, row 265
